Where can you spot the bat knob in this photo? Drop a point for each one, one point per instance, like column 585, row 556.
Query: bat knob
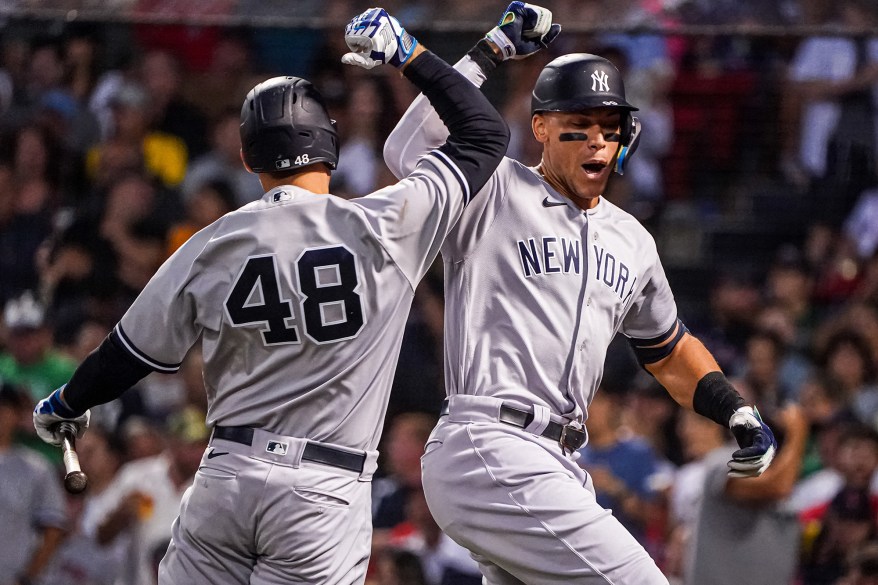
column 75, row 482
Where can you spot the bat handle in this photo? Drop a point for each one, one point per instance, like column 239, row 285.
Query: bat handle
column 75, row 481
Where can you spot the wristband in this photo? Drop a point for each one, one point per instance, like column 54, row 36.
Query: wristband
column 716, row 398
column 484, row 56
column 60, row 406
column 407, row 44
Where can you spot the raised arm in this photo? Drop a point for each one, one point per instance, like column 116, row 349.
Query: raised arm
column 523, row 29
column 475, row 136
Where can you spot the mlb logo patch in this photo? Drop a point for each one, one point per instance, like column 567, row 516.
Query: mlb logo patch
column 276, row 448
column 282, row 164
column 279, row 196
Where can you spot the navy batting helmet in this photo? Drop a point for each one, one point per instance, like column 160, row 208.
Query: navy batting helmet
column 580, row 81
column 285, row 126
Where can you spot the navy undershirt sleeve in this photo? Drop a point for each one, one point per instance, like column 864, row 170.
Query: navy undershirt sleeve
column 104, row 375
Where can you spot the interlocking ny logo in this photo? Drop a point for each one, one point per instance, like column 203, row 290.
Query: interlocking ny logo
column 599, row 81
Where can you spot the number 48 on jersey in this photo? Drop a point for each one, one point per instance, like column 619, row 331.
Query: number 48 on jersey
column 326, row 281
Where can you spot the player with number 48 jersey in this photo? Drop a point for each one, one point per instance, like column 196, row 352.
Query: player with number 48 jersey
column 299, row 300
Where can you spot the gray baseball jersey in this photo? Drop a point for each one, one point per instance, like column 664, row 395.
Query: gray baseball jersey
column 535, row 291
column 297, row 277
column 536, row 288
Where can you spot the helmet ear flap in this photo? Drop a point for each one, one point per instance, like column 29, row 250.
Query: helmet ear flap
column 629, row 143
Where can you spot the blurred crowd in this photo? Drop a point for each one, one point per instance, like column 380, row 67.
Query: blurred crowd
column 118, row 142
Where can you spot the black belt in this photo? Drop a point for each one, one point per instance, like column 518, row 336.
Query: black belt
column 568, row 436
column 316, row 452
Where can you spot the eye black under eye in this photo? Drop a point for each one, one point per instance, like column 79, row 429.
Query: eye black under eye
column 612, row 136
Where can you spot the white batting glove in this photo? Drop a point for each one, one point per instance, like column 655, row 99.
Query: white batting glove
column 756, row 442
column 375, row 38
column 523, row 30
column 51, row 412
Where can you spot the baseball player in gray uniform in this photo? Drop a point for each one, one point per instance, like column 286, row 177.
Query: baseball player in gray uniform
column 299, row 300
column 541, row 273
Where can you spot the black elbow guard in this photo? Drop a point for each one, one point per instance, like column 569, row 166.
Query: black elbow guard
column 649, row 351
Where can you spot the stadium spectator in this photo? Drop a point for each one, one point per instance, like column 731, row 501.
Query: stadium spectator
column 650, row 414
column 228, row 77
column 848, row 358
column 832, row 529
column 734, row 301
column 698, row 438
column 143, row 500
column 848, row 524
column 443, row 561
column 28, row 197
column 628, row 475
column 827, row 409
column 162, row 155
column 830, row 110
column 32, row 511
column 207, row 204
column 407, row 434
column 759, row 379
column 222, row 162
column 789, row 285
column 732, row 507
column 31, row 360
column 161, row 74
column 81, row 560
column 366, row 125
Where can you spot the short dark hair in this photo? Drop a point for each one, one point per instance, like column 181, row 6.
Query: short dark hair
column 859, row 344
column 11, row 395
column 858, row 431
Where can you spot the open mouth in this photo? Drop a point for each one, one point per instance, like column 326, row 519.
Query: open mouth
column 594, row 168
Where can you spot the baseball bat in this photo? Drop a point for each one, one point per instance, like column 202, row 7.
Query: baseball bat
column 75, row 481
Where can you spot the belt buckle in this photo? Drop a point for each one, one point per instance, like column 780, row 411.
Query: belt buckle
column 572, row 438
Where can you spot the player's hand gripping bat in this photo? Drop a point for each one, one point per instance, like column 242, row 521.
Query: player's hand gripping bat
column 57, row 425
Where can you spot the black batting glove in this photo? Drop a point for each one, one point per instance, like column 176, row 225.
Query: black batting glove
column 523, row 30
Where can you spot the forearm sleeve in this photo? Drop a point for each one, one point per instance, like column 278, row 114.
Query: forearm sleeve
column 478, row 134
column 104, row 375
column 716, row 398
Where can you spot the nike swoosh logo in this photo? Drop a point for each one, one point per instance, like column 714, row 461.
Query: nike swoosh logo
column 547, row 203
column 213, row 454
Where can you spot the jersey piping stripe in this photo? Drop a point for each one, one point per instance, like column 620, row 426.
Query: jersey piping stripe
column 132, row 349
column 639, row 342
column 464, row 185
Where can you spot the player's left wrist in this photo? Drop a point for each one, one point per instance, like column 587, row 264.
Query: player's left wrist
column 486, row 55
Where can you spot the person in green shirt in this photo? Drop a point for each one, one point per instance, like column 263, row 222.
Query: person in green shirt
column 30, row 362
